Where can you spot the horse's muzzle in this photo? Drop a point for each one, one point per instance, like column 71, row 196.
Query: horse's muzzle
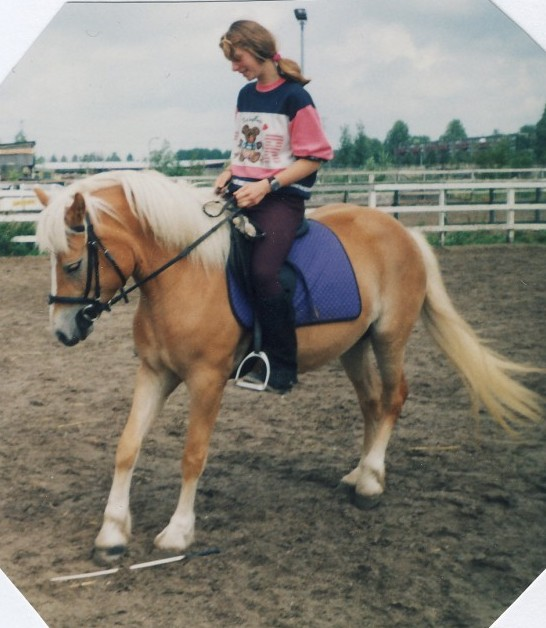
column 82, row 327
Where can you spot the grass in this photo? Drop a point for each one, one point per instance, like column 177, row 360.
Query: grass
column 9, row 230
column 483, row 238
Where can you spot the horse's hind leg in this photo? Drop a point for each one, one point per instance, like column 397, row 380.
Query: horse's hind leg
column 151, row 391
column 381, row 393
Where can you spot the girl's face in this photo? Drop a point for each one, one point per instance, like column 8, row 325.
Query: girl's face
column 246, row 64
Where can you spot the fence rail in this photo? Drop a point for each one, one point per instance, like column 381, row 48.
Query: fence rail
column 509, row 206
column 437, row 207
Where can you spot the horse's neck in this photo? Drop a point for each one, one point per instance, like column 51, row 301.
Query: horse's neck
column 185, row 312
column 184, row 284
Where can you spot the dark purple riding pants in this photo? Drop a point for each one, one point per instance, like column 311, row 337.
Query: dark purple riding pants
column 278, row 217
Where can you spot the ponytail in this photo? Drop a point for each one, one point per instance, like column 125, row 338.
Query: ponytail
column 291, row 71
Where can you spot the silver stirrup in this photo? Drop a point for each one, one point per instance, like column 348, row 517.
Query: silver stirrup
column 254, row 355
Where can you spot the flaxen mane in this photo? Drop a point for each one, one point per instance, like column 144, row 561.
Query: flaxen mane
column 172, row 210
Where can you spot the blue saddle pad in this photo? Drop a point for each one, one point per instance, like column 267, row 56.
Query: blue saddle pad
column 326, row 289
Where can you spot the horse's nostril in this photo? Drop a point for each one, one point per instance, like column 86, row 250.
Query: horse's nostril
column 68, row 342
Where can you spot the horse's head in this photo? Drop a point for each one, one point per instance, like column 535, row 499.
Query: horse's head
column 84, row 274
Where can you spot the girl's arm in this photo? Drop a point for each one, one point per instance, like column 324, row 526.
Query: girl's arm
column 252, row 193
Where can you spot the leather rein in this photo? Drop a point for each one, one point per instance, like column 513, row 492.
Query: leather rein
column 93, row 306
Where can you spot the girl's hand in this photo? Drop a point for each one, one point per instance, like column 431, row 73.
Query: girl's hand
column 220, row 185
column 252, row 193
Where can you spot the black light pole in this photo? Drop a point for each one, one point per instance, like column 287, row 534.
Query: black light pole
column 301, row 16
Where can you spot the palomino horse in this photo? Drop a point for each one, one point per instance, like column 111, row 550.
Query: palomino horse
column 106, row 228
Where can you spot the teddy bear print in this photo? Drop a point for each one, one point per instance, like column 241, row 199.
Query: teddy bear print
column 249, row 146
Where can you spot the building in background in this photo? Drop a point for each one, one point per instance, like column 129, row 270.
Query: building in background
column 17, row 160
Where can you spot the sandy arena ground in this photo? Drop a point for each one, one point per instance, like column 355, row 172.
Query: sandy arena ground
column 457, row 536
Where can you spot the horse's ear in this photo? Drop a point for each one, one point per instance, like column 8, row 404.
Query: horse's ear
column 75, row 214
column 42, row 196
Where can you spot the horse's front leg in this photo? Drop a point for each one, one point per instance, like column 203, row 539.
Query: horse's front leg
column 151, row 391
column 205, row 391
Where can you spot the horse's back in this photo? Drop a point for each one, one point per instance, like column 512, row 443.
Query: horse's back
column 386, row 260
column 372, row 225
column 373, row 236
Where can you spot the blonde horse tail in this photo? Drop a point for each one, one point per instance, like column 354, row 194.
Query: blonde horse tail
column 486, row 374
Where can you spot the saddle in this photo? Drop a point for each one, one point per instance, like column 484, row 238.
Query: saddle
column 317, row 276
column 243, row 234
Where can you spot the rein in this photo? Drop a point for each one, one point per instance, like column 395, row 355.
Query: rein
column 93, row 306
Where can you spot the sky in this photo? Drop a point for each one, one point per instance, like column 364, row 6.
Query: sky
column 107, row 77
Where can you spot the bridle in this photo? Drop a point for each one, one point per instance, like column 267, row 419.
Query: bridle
column 93, row 307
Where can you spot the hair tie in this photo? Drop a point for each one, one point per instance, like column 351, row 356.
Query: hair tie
column 276, row 57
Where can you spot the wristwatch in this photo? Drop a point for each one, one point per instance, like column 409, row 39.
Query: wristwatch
column 274, row 183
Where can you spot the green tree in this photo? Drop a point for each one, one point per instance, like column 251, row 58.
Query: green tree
column 20, row 137
column 397, row 138
column 501, row 152
column 454, row 132
column 343, row 155
column 495, row 155
column 198, row 154
column 454, row 151
column 377, row 156
column 361, row 147
column 523, row 154
column 92, row 157
column 164, row 160
column 540, row 139
column 526, row 136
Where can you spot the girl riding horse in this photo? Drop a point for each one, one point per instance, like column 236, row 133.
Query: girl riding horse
column 277, row 119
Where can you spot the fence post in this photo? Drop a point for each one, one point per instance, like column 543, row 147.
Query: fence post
column 373, row 196
column 491, row 211
column 442, row 216
column 396, row 203
column 510, row 214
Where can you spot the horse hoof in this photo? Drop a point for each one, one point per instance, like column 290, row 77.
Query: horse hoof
column 365, row 502
column 346, row 490
column 104, row 556
column 362, row 502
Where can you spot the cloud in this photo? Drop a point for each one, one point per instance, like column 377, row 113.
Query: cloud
column 111, row 77
column 428, row 64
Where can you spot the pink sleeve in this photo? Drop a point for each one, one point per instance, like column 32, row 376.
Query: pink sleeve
column 307, row 136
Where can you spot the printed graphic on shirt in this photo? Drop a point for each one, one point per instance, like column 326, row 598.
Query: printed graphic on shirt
column 249, row 147
column 262, row 140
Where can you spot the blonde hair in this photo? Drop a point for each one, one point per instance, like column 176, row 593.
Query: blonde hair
column 261, row 44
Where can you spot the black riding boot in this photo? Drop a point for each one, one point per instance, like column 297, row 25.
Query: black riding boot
column 277, row 320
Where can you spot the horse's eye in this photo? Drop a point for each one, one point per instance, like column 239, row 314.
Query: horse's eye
column 73, row 268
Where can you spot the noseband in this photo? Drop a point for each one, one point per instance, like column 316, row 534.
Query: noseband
column 93, row 307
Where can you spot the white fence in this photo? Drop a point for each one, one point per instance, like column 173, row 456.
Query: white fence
column 451, row 206
column 438, row 207
column 18, row 206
